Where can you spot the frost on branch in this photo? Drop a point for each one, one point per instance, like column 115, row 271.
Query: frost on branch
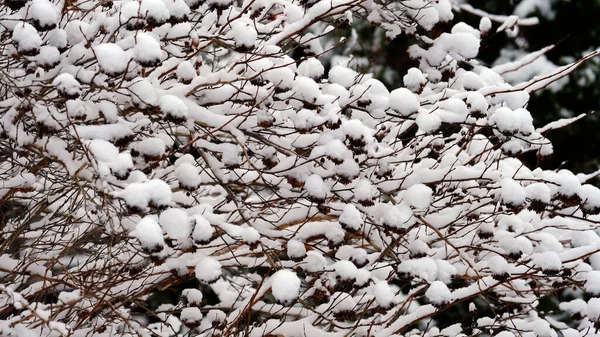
column 216, row 151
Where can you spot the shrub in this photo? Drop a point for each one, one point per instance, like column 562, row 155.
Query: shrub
column 202, row 149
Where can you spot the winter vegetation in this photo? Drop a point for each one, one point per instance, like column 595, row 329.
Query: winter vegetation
column 229, row 168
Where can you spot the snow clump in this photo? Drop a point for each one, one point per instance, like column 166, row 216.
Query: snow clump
column 404, row 102
column 27, row 39
column 149, row 235
column 147, row 50
column 208, row 270
column 285, row 286
column 419, row 196
column 438, row 294
column 111, row 58
column 67, row 85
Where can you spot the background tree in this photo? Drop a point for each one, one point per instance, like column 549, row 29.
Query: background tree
column 192, row 168
column 568, row 26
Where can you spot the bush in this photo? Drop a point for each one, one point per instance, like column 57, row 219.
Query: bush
column 193, row 168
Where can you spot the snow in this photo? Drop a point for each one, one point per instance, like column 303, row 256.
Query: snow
column 419, row 196
column 438, row 293
column 69, row 297
column 76, row 31
column 471, row 81
column 203, row 231
column 462, row 46
column 312, row 68
column 445, row 271
column 176, row 223
column 336, row 150
column 363, row 277
column 345, row 270
column 191, row 315
column 584, row 239
column 121, row 165
column 316, row 188
column 296, row 249
column 139, row 196
column 462, row 27
column 414, row 80
column 103, row 150
column 241, row 137
column 149, row 234
column 498, row 265
column 57, row 38
column 250, row 235
column 428, row 122
column 560, row 123
column 538, row 191
column 570, row 332
column 351, row 217
column 404, row 101
column 111, row 58
column 129, row 14
column 173, row 107
column 344, row 76
column 548, row 261
column 525, row 121
column 143, row 92
column 216, row 316
column 364, row 191
column 593, row 309
column 568, row 183
column 509, row 25
column 426, row 16
column 384, row 295
column 485, row 24
column 151, row 147
column 306, row 89
column 43, row 14
column 243, row 33
column 147, row 50
column 477, row 102
column 159, row 192
column 208, row 270
column 230, row 154
column 314, row 262
column 396, row 216
column 185, row 71
column 48, row 57
column 590, row 195
column 193, row 296
column 283, row 78
column 592, row 284
column 27, row 39
column 66, row 84
column 453, row 110
column 285, row 286
column 508, row 121
column 348, row 169
column 343, row 302
column 418, row 247
column 512, row 193
column 24, row 180
column 574, row 306
column 527, row 7
column 424, row 268
column 188, row 176
column 178, row 9
column 504, row 334
column 155, row 11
